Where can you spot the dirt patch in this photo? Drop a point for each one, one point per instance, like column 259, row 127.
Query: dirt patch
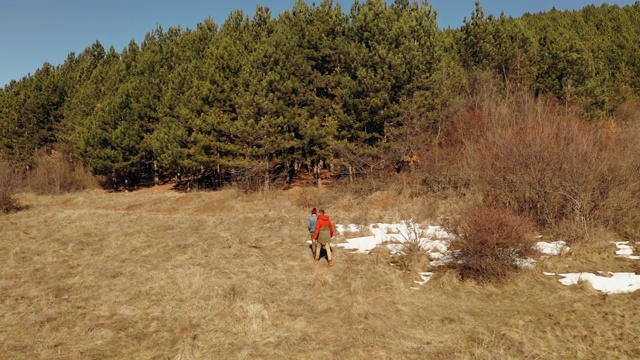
column 183, row 199
column 207, row 208
column 131, row 207
column 157, row 188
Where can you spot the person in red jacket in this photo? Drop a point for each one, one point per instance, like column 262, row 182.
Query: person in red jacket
column 323, row 234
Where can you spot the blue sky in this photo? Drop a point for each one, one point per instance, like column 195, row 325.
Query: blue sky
column 33, row 32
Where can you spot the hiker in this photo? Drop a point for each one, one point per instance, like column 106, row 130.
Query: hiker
column 312, row 228
column 323, row 235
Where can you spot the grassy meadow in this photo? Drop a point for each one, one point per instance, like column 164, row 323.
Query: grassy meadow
column 159, row 274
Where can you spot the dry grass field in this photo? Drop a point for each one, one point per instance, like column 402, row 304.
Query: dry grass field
column 157, row 274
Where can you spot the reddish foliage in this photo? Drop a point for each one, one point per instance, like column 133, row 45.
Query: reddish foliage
column 488, row 243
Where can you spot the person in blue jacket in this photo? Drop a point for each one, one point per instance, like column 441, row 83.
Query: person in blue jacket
column 312, row 228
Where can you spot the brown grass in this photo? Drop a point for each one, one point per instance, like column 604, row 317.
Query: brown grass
column 156, row 274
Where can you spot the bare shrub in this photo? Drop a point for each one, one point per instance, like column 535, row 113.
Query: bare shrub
column 314, row 197
column 488, row 243
column 620, row 208
column 538, row 160
column 444, row 175
column 309, row 197
column 411, row 255
column 8, row 204
column 629, row 112
column 482, row 88
column 8, row 183
column 59, row 172
column 408, row 138
column 365, row 185
column 412, row 258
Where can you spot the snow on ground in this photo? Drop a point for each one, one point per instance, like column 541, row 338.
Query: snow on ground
column 624, row 250
column 425, row 276
column 609, row 283
column 553, row 248
column 435, row 241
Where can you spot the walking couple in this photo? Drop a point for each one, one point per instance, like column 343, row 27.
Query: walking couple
column 321, row 232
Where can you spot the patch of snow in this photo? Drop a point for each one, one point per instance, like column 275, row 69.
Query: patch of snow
column 396, row 249
column 614, row 283
column 437, row 246
column 396, row 233
column 341, row 229
column 625, row 250
column 440, row 259
column 525, row 263
column 425, row 276
column 551, row 248
column 435, row 241
column 361, row 245
column 437, row 232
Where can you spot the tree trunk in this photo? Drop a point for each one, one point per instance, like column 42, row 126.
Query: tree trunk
column 156, row 178
column 266, row 175
column 316, row 173
column 292, row 172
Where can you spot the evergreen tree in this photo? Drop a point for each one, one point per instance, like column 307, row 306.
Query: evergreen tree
column 30, row 115
column 183, row 143
column 394, row 53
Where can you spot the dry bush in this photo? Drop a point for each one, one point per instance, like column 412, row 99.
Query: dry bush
column 310, row 197
column 488, row 243
column 8, row 183
column 365, row 185
column 620, row 210
column 443, row 176
column 359, row 201
column 8, row 203
column 59, row 172
column 412, row 256
column 426, row 208
column 629, row 112
column 482, row 89
column 393, row 198
column 540, row 161
column 357, row 211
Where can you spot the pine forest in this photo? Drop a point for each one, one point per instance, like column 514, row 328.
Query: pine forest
column 318, row 89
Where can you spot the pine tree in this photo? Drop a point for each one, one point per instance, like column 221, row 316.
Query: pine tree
column 30, row 115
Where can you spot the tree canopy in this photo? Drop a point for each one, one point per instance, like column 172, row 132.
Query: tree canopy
column 259, row 97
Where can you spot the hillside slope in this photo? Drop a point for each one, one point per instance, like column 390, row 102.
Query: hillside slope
column 157, row 274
